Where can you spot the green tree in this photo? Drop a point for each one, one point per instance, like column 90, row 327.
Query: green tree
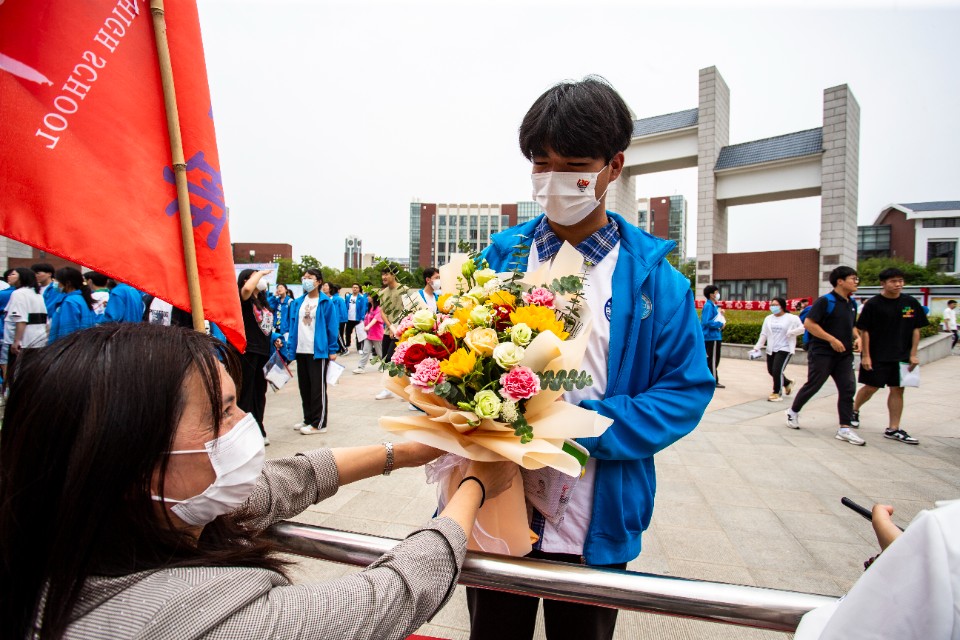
column 869, row 271
column 287, row 273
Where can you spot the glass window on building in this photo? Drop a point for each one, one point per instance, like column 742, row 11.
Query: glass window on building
column 873, row 241
column 735, row 290
column 443, row 220
column 942, row 254
column 463, row 221
column 504, row 222
column 940, row 223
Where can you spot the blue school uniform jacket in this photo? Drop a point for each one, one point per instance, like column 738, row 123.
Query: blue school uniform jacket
column 712, row 329
column 362, row 305
column 124, row 305
column 658, row 383
column 72, row 315
column 341, row 306
column 326, row 332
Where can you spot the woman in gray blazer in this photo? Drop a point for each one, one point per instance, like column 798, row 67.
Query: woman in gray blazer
column 133, row 490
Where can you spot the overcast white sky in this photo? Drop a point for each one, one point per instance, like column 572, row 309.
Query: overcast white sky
column 332, row 116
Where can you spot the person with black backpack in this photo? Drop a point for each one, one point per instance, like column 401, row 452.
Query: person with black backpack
column 833, row 339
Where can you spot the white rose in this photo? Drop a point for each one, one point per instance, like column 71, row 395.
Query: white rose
column 507, row 355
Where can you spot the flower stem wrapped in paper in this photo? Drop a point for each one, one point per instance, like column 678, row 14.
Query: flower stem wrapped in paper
column 488, row 371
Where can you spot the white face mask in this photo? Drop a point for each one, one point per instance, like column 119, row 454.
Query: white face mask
column 237, row 458
column 435, row 284
column 566, row 197
column 308, row 284
column 261, row 285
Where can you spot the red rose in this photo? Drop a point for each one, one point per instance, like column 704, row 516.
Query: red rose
column 442, row 352
column 501, row 317
column 414, row 355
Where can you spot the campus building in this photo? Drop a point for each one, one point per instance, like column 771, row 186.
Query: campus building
column 353, row 253
column 436, row 230
column 668, row 219
column 248, row 252
column 920, row 232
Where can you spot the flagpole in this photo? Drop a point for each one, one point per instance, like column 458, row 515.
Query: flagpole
column 179, row 163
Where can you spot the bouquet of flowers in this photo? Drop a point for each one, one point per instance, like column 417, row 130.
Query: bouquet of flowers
column 488, row 369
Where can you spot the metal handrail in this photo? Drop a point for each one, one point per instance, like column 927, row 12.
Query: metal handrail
column 712, row 601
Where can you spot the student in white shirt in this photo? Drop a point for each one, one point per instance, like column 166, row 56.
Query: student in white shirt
column 426, row 298
column 779, row 332
column 950, row 320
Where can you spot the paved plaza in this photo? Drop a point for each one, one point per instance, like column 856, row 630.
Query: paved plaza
column 743, row 499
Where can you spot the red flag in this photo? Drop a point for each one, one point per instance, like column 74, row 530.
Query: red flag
column 85, row 154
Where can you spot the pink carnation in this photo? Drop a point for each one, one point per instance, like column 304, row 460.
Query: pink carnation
column 519, row 383
column 427, row 374
column 403, row 325
column 539, row 296
column 399, row 351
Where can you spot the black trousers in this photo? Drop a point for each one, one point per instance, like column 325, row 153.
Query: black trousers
column 312, row 381
column 776, row 366
column 252, row 397
column 387, row 345
column 713, row 356
column 348, row 333
column 822, row 365
column 496, row 615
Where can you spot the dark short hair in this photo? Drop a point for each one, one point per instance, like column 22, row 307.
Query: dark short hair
column 390, row 269
column 27, row 278
column 951, row 302
column 585, row 119
column 802, row 302
column 315, row 272
column 44, row 267
column 709, row 290
column 334, row 289
column 68, row 276
column 781, row 302
column 841, row 273
column 98, row 279
column 891, row 272
column 429, row 272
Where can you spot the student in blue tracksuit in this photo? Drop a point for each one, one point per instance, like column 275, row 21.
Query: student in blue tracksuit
column 52, row 296
column 311, row 328
column 75, row 311
column 342, row 314
column 125, row 304
column 644, row 352
column 357, row 305
column 711, row 322
column 279, row 304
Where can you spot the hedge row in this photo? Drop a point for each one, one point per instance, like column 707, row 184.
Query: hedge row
column 744, row 331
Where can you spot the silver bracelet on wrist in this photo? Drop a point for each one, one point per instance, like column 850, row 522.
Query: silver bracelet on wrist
column 388, row 465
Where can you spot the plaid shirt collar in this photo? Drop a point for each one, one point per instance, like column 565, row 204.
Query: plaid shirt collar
column 594, row 249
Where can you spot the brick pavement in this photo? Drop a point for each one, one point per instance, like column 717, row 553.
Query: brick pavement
column 742, row 499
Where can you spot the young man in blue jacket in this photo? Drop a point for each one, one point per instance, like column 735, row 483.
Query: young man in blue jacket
column 644, row 355
column 311, row 330
column 356, row 308
column 711, row 322
column 124, row 305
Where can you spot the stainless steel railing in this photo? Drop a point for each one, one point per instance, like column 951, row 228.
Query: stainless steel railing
column 712, row 601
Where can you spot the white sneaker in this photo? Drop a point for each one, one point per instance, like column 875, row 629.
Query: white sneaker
column 266, row 441
column 774, row 397
column 360, row 353
column 309, row 430
column 299, row 425
column 850, row 436
column 359, row 370
column 793, row 419
column 383, row 395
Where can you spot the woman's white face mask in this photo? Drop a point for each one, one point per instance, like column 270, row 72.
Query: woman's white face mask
column 567, row 197
column 237, row 458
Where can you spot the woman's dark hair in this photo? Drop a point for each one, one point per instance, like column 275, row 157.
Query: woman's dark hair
column 374, row 300
column 586, row 119
column 27, row 278
column 782, row 303
column 73, row 278
column 257, row 300
column 76, row 475
column 709, row 290
column 315, row 272
column 98, row 279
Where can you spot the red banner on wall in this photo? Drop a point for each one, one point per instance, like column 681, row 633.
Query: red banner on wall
column 85, row 156
column 754, row 305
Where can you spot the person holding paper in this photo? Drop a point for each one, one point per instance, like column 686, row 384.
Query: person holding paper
column 890, row 330
column 779, row 332
column 711, row 322
column 643, row 352
column 312, row 330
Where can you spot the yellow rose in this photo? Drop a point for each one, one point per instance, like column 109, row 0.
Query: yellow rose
column 458, row 330
column 444, row 304
column 481, row 341
column 460, row 363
